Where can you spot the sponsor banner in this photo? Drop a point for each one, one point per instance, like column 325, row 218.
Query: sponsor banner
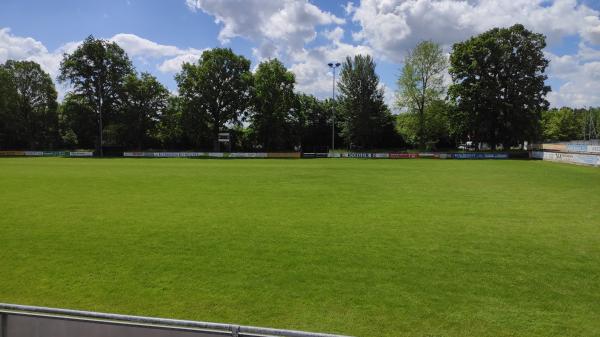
column 164, row 154
column 479, row 155
column 134, row 154
column 81, row 154
column 445, row 156
column 283, row 155
column 554, row 147
column 594, row 148
column 576, row 148
column 216, row 155
column 364, row 155
column 429, row 155
column 573, row 158
column 315, row 155
column 35, row 153
column 336, row 155
column 12, row 153
column 177, row 154
column 247, row 155
column 396, row 155
column 55, row 154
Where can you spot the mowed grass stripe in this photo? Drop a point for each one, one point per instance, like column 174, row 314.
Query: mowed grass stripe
column 362, row 247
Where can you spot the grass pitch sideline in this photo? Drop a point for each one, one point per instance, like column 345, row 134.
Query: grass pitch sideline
column 367, row 248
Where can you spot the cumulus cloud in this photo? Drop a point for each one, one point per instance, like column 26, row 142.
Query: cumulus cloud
column 393, row 26
column 313, row 75
column 581, row 76
column 168, row 58
column 271, row 24
column 147, row 50
column 14, row 47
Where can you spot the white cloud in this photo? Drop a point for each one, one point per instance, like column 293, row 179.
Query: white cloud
column 313, row 75
column 393, row 26
column 335, row 35
column 287, row 24
column 14, row 47
column 146, row 50
column 168, row 58
column 581, row 76
column 173, row 65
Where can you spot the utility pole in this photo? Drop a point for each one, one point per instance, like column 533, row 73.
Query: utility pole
column 333, row 66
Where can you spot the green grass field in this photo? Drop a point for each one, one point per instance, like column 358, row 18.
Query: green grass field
column 369, row 248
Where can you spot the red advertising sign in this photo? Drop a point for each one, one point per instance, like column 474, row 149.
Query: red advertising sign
column 397, row 155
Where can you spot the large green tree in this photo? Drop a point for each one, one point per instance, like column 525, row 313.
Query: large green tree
column 437, row 131
column 170, row 133
column 420, row 84
column 96, row 71
column 316, row 130
column 9, row 124
column 77, row 122
column 144, row 100
column 499, row 85
column 272, row 118
column 34, row 110
column 364, row 113
column 215, row 91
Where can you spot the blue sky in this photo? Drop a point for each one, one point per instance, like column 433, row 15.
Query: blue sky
column 160, row 34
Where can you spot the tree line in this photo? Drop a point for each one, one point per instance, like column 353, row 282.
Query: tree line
column 495, row 94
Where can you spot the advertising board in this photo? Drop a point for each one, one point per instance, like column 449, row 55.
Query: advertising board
column 397, row 155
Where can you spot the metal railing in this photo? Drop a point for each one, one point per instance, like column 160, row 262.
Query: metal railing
column 30, row 321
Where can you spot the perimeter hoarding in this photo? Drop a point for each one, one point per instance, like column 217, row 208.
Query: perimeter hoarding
column 571, row 158
column 290, row 155
column 478, row 155
column 81, row 154
column 248, row 155
column 395, row 155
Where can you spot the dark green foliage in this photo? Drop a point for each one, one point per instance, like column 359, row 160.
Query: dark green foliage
column 9, row 121
column 78, row 126
column 28, row 106
column 215, row 92
column 498, row 85
column 274, row 121
column 436, row 133
column 144, row 100
column 170, row 133
column 364, row 113
column 316, row 133
column 96, row 71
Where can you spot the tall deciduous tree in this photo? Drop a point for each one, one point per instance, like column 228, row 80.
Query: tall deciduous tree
column 272, row 120
column 437, row 131
column 215, row 91
column 9, row 124
column 77, row 122
column 421, row 83
column 564, row 124
column 316, row 133
column 36, row 106
column 144, row 98
column 170, row 127
column 498, row 84
column 365, row 115
column 96, row 71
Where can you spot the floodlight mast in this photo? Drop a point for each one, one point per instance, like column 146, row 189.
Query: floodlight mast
column 333, row 66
